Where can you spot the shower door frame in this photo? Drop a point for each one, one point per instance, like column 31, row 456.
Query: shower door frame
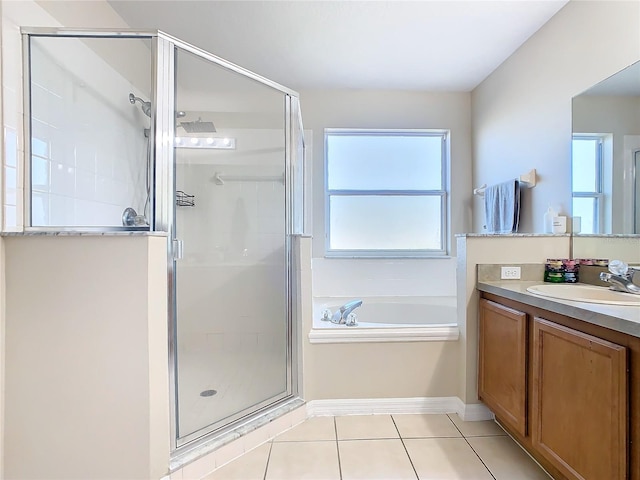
column 162, row 209
column 163, row 102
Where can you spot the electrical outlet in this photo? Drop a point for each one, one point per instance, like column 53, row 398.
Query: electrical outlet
column 510, row 273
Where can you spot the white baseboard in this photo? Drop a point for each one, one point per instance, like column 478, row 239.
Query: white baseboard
column 387, row 406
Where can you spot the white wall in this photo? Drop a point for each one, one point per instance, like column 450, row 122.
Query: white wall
column 400, row 369
column 86, row 358
column 491, row 250
column 522, row 111
column 391, row 109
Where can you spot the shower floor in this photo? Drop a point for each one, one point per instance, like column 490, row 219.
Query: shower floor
column 244, row 369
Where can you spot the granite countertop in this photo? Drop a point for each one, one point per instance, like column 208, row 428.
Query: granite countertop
column 625, row 319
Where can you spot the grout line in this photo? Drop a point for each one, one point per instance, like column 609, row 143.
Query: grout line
column 266, row 467
column 472, row 449
column 335, row 429
column 365, row 439
column 480, row 458
column 405, row 447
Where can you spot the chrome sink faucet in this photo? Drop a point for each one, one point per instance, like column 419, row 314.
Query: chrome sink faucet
column 621, row 277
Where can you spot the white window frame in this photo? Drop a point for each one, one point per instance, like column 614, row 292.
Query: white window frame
column 598, row 195
column 442, row 193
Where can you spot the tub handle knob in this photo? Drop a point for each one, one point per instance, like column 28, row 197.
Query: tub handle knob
column 352, row 320
column 326, row 315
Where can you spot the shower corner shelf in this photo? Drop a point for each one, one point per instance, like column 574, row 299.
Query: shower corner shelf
column 184, row 200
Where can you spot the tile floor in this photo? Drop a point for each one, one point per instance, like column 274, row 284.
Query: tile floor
column 386, row 447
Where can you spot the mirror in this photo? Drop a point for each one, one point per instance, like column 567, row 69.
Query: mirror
column 605, row 164
column 606, row 137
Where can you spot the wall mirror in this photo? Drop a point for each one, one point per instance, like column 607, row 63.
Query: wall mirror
column 605, row 160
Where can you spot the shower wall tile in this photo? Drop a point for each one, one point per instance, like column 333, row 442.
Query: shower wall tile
column 85, row 185
column 63, row 179
column 62, row 210
column 72, row 124
column 10, row 216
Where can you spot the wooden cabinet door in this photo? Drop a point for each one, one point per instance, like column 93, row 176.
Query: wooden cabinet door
column 502, row 363
column 579, row 402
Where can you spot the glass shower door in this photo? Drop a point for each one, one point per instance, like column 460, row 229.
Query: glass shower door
column 232, row 329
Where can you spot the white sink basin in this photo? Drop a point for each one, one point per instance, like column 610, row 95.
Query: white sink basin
column 585, row 293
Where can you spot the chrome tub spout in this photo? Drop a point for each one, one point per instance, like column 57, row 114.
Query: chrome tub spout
column 344, row 315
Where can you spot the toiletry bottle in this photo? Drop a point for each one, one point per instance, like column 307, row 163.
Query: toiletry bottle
column 548, row 220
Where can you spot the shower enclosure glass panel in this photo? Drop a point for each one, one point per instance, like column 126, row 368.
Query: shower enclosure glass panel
column 232, row 328
column 88, row 145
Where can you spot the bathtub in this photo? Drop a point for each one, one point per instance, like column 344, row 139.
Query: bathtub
column 388, row 319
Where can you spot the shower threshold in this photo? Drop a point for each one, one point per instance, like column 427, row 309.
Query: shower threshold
column 209, row 443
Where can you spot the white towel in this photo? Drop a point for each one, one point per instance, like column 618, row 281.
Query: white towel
column 502, row 207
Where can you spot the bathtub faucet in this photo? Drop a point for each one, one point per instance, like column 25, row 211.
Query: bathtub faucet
column 342, row 314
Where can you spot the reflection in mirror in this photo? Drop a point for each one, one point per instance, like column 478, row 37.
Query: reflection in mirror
column 636, row 192
column 606, row 142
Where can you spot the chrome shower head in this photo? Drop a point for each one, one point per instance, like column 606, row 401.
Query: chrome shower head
column 198, row 126
column 145, row 106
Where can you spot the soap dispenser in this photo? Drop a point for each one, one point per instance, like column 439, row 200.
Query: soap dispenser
column 548, row 219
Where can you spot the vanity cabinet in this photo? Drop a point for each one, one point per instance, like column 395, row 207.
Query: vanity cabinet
column 502, row 363
column 579, row 415
column 566, row 390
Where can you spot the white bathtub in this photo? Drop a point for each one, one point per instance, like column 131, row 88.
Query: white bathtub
column 388, row 319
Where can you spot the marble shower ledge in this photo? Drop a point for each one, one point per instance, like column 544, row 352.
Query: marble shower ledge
column 624, row 319
column 101, row 233
column 509, row 235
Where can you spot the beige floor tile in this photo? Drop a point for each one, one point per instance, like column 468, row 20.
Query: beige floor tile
column 374, row 459
column 250, row 466
column 476, row 429
column 313, row 429
column 505, row 459
column 303, row 460
column 445, row 459
column 358, row 427
column 421, row 426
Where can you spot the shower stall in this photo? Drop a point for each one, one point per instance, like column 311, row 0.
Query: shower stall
column 141, row 132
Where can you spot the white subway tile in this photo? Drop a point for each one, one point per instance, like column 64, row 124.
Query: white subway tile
column 62, row 210
column 10, row 147
column 85, row 156
column 10, row 217
column 63, row 179
column 11, row 196
column 40, row 207
column 11, row 178
column 85, row 185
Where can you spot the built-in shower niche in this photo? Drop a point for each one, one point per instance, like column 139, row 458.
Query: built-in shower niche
column 88, row 148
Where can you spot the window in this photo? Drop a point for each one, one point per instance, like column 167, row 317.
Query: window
column 385, row 192
column 586, row 181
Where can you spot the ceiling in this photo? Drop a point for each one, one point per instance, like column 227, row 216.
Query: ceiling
column 401, row 45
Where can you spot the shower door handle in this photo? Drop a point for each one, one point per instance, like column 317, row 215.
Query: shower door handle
column 178, row 249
